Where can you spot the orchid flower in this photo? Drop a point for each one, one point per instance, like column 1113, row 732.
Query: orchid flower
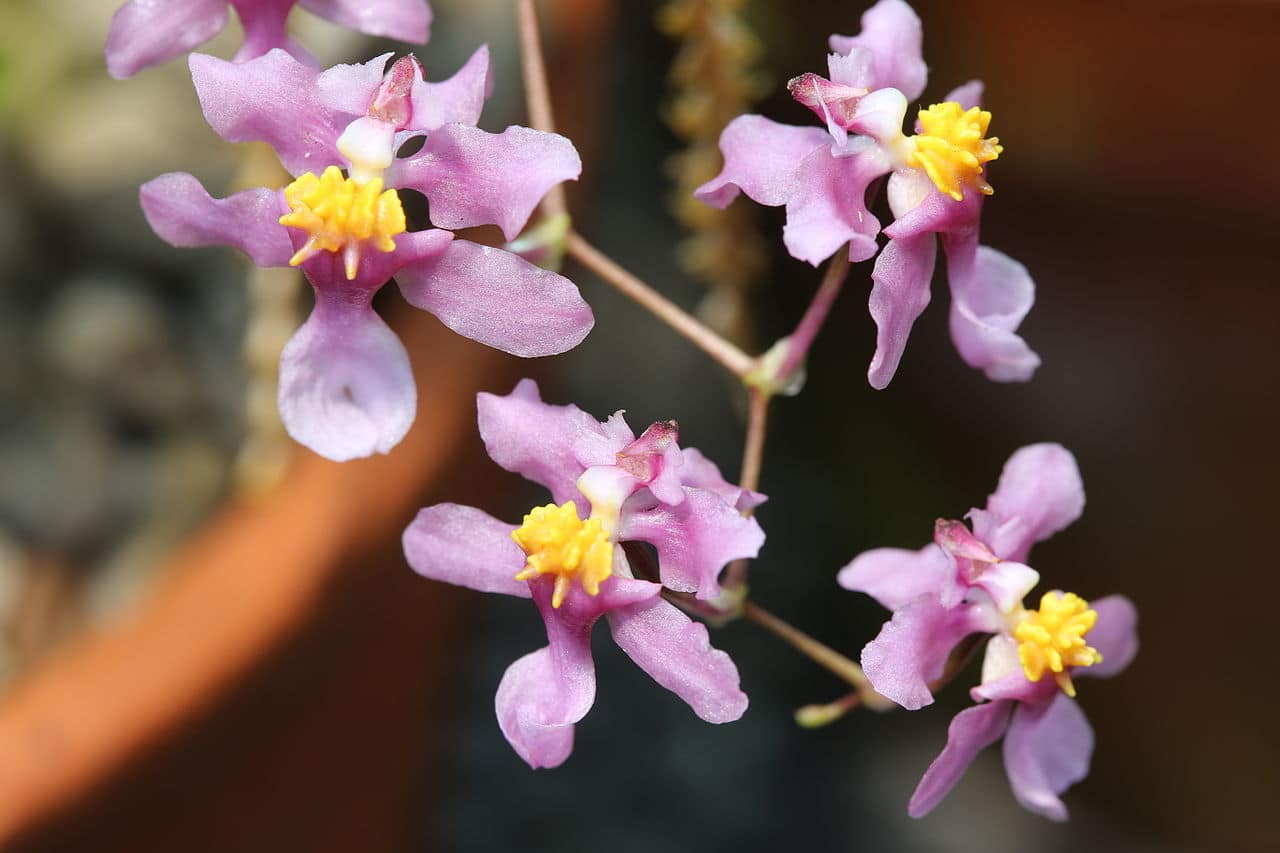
column 1048, row 742
column 346, row 389
column 936, row 184
column 822, row 176
column 148, row 32
column 608, row 487
column 937, row 187
column 963, row 583
column 968, row 583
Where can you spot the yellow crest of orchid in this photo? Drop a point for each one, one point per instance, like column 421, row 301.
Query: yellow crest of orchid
column 1052, row 638
column 341, row 214
column 952, row 148
column 559, row 543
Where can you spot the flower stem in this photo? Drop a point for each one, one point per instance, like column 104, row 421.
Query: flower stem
column 729, row 356
column 816, row 314
column 821, row 654
column 536, row 93
column 735, row 576
column 816, row 716
column 753, row 448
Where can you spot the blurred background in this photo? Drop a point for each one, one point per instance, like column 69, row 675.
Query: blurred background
column 209, row 639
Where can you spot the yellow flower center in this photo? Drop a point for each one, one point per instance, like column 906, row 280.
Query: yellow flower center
column 340, row 214
column 1052, row 638
column 951, row 149
column 559, row 543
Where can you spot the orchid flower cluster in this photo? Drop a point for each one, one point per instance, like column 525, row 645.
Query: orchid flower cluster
column 641, row 530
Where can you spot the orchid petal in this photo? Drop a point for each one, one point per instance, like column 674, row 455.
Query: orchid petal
column 346, row 389
column 1047, row 749
column 694, row 539
column 460, row 99
column 760, row 159
column 892, row 32
column 180, row 210
column 701, row 473
column 351, row 89
column 550, row 445
column 473, row 177
column 278, row 100
column 403, row 20
column 967, row 95
column 1115, row 636
column 467, row 547
column 986, row 310
column 1040, row 492
column 144, row 33
column 828, row 207
column 912, row 648
column 971, row 731
column 499, row 299
column 545, row 693
column 677, row 653
column 900, row 293
column 896, row 577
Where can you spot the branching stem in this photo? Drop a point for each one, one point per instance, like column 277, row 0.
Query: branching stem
column 729, row 356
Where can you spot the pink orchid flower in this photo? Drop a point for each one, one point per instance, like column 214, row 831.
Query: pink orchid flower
column 608, row 487
column 346, row 389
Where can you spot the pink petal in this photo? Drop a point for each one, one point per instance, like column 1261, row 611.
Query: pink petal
column 760, row 159
column 912, row 648
column 987, row 306
column 346, row 390
column 1115, row 636
column 892, row 32
column 1040, row 492
column 701, row 473
column 543, row 694
column 467, row 547
column 550, row 445
column 145, row 33
column 473, row 177
column 1047, row 749
column 1014, row 685
column 499, row 299
column 677, row 653
column 278, row 100
column 900, row 293
column 828, row 207
column 403, row 20
column 694, row 539
column 939, row 213
column 351, row 89
column 459, row 99
column 180, row 210
column 263, row 22
column 967, row 95
column 896, row 577
column 970, row 732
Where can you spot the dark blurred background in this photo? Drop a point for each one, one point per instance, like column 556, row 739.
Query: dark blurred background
column 1138, row 186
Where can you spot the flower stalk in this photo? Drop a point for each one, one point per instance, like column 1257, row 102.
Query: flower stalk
column 722, row 351
column 537, row 94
